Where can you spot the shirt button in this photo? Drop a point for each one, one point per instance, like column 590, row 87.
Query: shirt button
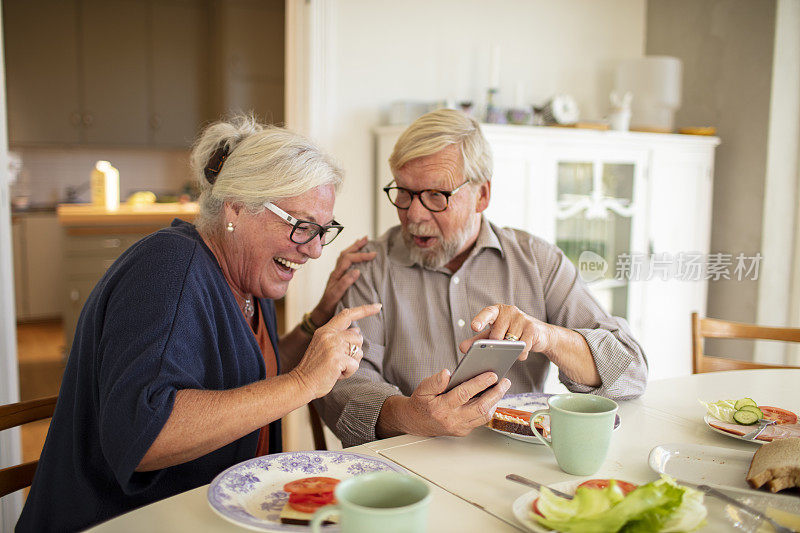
column 461, row 322
column 456, row 280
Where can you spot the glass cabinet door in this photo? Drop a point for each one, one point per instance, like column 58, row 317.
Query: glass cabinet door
column 594, row 224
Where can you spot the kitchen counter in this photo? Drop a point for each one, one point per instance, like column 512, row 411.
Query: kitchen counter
column 160, row 215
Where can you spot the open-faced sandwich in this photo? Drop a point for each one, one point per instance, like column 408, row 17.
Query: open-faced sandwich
column 306, row 495
column 601, row 505
column 776, row 465
column 738, row 417
column 514, row 421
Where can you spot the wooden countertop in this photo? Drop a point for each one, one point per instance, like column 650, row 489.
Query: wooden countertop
column 143, row 214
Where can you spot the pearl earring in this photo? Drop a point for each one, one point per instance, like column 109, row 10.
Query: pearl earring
column 229, row 227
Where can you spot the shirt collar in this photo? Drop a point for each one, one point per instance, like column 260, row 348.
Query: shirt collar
column 487, row 238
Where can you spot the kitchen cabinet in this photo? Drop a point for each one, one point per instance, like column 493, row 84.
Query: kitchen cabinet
column 38, row 281
column 128, row 72
column 42, row 74
column 94, row 238
column 622, row 206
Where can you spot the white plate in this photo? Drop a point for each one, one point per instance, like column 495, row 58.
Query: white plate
column 530, row 401
column 710, row 465
column 721, row 516
column 251, row 493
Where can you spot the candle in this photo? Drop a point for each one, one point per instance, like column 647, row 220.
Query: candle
column 494, row 68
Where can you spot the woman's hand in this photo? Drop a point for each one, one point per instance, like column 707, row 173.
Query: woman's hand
column 340, row 280
column 331, row 356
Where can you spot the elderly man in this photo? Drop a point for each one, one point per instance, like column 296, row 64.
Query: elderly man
column 446, row 277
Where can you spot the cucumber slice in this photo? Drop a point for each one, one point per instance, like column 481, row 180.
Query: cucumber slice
column 745, row 417
column 744, row 401
column 756, row 410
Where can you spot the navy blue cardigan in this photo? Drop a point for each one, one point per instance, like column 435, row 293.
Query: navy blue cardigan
column 160, row 320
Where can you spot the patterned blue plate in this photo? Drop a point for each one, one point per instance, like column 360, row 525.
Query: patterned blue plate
column 251, row 493
column 530, row 401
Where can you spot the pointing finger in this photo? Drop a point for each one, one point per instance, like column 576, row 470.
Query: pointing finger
column 345, row 317
column 487, row 315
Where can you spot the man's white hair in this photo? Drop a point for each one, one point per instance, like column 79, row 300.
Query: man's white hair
column 437, row 130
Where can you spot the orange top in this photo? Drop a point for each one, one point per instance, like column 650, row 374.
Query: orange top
column 265, row 344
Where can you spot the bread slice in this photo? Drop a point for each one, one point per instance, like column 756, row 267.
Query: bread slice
column 293, row 516
column 776, row 464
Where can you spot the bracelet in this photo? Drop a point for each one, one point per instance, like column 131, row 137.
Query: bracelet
column 308, row 325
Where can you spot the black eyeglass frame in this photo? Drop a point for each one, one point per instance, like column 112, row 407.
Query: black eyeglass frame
column 296, row 223
column 447, row 194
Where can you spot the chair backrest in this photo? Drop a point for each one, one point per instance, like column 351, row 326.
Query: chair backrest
column 316, row 428
column 14, row 478
column 722, row 329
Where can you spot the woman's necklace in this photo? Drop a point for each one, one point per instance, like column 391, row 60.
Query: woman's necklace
column 248, row 309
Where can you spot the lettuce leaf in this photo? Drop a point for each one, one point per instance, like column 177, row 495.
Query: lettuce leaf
column 658, row 506
column 721, row 410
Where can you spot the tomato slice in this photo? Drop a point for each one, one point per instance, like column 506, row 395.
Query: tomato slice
column 320, row 499
column 311, row 485
column 781, row 416
column 305, row 507
column 535, row 507
column 603, row 483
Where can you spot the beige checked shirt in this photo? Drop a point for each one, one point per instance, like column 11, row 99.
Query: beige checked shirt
column 427, row 313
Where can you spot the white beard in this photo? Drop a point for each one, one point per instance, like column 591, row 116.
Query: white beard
column 444, row 251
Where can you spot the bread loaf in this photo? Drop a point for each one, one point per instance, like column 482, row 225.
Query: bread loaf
column 776, row 464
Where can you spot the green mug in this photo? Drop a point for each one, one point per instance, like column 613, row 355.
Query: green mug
column 580, row 430
column 388, row 502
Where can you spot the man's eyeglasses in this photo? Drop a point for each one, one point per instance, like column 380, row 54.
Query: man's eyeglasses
column 304, row 231
column 433, row 199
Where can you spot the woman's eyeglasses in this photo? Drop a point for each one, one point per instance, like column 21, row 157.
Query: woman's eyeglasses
column 433, row 199
column 304, row 231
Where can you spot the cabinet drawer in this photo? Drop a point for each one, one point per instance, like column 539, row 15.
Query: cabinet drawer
column 96, row 244
column 90, row 266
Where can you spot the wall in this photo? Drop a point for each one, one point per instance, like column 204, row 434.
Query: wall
column 10, row 452
column 382, row 51
column 781, row 189
column 727, row 52
column 47, row 172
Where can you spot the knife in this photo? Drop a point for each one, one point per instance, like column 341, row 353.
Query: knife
column 537, row 486
column 736, row 503
column 762, row 425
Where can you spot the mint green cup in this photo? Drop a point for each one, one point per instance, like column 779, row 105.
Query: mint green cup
column 580, row 430
column 388, row 502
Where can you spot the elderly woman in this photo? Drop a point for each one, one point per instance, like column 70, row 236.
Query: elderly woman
column 173, row 375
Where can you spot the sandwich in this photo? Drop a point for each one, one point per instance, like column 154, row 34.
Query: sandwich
column 306, row 495
column 514, row 421
column 777, row 465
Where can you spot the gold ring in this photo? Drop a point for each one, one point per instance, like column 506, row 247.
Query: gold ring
column 353, row 350
column 510, row 337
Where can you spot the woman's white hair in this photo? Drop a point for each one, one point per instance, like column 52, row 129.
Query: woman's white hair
column 264, row 163
column 437, row 130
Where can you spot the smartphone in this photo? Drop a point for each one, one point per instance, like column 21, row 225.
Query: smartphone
column 486, row 356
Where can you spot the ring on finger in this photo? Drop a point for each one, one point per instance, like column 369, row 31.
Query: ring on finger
column 510, row 337
column 353, row 350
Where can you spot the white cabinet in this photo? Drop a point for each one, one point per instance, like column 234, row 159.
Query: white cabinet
column 627, row 208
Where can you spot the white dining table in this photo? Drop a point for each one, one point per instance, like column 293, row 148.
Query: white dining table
column 467, row 474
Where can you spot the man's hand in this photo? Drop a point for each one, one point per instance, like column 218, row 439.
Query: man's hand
column 509, row 320
column 429, row 412
column 341, row 278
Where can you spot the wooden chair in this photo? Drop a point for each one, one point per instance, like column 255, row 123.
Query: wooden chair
column 316, row 428
column 722, row 329
column 14, row 478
